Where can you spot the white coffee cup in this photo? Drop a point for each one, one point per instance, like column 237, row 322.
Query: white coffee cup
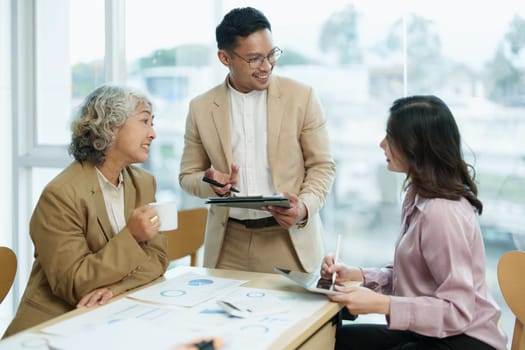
column 167, row 212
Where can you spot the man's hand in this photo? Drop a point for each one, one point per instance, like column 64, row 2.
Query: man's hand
column 287, row 217
column 230, row 180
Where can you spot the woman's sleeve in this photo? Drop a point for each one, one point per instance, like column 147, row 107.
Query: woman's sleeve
column 448, row 253
column 378, row 279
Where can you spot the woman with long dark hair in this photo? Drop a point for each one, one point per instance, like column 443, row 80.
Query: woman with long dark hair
column 434, row 294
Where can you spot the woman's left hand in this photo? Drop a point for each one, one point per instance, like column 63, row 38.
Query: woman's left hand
column 361, row 300
column 98, row 296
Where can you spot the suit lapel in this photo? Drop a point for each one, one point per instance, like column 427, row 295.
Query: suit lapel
column 98, row 199
column 130, row 194
column 221, row 118
column 274, row 119
column 221, row 111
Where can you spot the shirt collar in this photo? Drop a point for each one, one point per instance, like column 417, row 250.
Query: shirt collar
column 236, row 92
column 420, row 202
column 106, row 182
column 414, row 200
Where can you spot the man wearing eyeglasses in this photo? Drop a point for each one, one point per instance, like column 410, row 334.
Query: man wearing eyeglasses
column 262, row 134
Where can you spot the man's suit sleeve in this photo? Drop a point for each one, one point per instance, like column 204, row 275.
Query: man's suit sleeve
column 318, row 162
column 195, row 159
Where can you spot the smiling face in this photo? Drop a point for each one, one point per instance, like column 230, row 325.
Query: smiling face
column 394, row 159
column 242, row 77
column 133, row 139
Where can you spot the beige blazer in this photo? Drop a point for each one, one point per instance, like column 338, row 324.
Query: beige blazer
column 298, row 150
column 76, row 250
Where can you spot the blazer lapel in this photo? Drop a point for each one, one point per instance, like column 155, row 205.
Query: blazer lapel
column 130, row 194
column 275, row 111
column 220, row 114
column 98, row 199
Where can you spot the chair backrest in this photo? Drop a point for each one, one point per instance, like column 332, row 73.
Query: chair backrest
column 511, row 272
column 7, row 271
column 189, row 235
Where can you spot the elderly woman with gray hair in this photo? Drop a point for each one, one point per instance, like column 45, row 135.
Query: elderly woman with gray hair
column 94, row 235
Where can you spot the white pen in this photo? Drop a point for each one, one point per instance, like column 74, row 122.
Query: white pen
column 336, row 257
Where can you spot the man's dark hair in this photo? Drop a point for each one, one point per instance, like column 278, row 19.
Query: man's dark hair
column 241, row 22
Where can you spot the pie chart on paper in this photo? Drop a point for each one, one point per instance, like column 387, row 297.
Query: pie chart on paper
column 199, row 282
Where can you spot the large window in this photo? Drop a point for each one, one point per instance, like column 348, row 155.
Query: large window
column 6, row 212
column 358, row 56
column 69, row 37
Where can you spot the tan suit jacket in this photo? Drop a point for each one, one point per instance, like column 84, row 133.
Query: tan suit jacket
column 76, row 250
column 299, row 157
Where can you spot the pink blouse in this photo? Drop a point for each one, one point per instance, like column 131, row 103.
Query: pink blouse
column 437, row 280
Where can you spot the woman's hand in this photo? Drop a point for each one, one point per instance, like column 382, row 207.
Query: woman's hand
column 98, row 296
column 361, row 300
column 143, row 223
column 343, row 273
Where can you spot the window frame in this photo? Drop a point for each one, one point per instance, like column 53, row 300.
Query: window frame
column 26, row 153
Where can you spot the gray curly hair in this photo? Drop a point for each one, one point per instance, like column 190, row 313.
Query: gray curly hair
column 105, row 109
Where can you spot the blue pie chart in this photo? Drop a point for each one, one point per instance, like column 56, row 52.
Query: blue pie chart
column 199, row 282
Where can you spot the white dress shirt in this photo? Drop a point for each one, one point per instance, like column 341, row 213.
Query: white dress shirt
column 250, row 148
column 114, row 201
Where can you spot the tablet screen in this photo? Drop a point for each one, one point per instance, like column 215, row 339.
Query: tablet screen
column 310, row 281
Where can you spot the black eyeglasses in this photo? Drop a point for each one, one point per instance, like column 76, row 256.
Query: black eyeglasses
column 257, row 61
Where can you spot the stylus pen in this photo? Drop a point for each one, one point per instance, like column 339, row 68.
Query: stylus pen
column 336, row 257
column 218, row 184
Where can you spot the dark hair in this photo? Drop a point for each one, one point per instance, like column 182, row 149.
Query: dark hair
column 106, row 108
column 423, row 130
column 241, row 22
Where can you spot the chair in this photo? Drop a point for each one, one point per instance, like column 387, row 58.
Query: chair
column 512, row 285
column 7, row 271
column 189, row 235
